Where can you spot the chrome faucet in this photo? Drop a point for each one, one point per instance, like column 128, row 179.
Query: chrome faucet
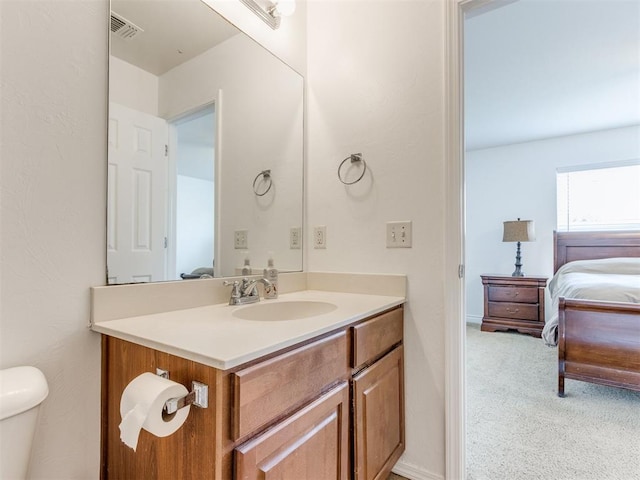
column 246, row 291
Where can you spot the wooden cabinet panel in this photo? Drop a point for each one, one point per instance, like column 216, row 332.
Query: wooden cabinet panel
column 274, row 387
column 183, row 454
column 376, row 336
column 312, row 444
column 379, row 417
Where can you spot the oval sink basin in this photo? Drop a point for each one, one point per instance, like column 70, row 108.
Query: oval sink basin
column 293, row 310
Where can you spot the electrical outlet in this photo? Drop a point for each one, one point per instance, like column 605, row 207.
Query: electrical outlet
column 399, row 234
column 320, row 236
column 295, row 236
column 241, row 239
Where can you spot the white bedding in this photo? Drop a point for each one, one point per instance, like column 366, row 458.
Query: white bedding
column 609, row 279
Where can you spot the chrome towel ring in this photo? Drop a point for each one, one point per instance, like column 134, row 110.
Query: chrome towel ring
column 266, row 178
column 355, row 158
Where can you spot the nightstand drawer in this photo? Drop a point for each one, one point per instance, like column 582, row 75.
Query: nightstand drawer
column 513, row 294
column 521, row 311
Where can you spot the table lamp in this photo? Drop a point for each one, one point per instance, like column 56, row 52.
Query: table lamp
column 518, row 231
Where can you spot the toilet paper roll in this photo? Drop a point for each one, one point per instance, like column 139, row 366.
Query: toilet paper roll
column 141, row 406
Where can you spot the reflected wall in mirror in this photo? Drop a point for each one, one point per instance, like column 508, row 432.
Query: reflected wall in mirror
column 197, row 110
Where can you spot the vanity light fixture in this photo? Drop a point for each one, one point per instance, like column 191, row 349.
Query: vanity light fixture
column 271, row 12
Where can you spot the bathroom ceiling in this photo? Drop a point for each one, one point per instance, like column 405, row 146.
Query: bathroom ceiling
column 174, row 31
column 537, row 69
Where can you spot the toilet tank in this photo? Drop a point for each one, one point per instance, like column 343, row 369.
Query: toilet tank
column 22, row 390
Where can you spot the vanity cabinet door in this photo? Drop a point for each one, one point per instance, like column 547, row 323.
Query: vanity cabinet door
column 378, row 415
column 313, row 444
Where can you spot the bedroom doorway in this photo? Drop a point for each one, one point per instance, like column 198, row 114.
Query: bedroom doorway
column 539, row 253
column 193, row 211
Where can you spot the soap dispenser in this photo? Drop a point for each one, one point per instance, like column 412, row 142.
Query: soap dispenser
column 271, row 274
column 246, row 269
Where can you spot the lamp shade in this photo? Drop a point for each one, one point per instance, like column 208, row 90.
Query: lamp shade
column 519, row 231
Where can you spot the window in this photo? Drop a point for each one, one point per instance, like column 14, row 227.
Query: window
column 599, row 197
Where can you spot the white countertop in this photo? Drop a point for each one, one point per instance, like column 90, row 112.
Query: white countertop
column 211, row 335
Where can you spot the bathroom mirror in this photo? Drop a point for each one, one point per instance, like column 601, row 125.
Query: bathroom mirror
column 205, row 147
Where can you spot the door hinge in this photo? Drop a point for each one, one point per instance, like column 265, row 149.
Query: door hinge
column 166, row 150
column 461, row 271
column 165, row 242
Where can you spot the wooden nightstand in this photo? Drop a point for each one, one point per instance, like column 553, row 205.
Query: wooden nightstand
column 513, row 303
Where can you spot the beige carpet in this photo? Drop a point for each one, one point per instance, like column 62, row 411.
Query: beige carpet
column 519, row 429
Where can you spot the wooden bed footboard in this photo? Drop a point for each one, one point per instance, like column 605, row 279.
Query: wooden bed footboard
column 599, row 342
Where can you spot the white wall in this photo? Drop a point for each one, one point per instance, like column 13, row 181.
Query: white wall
column 132, row 87
column 375, row 85
column 53, row 190
column 504, row 183
column 194, row 222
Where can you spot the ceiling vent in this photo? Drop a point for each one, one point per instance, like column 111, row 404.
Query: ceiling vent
column 123, row 28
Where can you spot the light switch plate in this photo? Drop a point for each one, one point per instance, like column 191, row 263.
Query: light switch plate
column 241, row 239
column 399, row 234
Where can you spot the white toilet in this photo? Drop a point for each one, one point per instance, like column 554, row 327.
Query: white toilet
column 22, row 390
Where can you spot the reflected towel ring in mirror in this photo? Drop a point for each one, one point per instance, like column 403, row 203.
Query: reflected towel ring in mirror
column 354, row 157
column 266, row 178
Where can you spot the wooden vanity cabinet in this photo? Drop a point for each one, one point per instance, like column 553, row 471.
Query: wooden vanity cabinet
column 329, row 408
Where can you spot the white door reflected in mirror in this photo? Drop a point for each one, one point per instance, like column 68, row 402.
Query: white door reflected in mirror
column 137, row 185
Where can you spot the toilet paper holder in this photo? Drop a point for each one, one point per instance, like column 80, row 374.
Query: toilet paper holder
column 198, row 396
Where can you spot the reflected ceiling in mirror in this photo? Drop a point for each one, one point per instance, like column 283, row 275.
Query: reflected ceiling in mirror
column 197, row 110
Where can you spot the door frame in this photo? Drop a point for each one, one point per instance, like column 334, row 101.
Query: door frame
column 455, row 336
column 216, row 103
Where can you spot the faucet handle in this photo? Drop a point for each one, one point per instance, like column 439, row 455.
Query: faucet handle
column 235, row 288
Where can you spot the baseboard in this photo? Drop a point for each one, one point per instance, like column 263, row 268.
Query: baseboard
column 414, row 472
column 474, row 319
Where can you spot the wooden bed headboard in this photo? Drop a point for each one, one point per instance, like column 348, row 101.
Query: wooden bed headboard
column 571, row 246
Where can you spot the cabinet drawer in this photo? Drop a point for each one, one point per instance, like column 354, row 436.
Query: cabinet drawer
column 521, row 311
column 266, row 391
column 374, row 337
column 513, row 294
